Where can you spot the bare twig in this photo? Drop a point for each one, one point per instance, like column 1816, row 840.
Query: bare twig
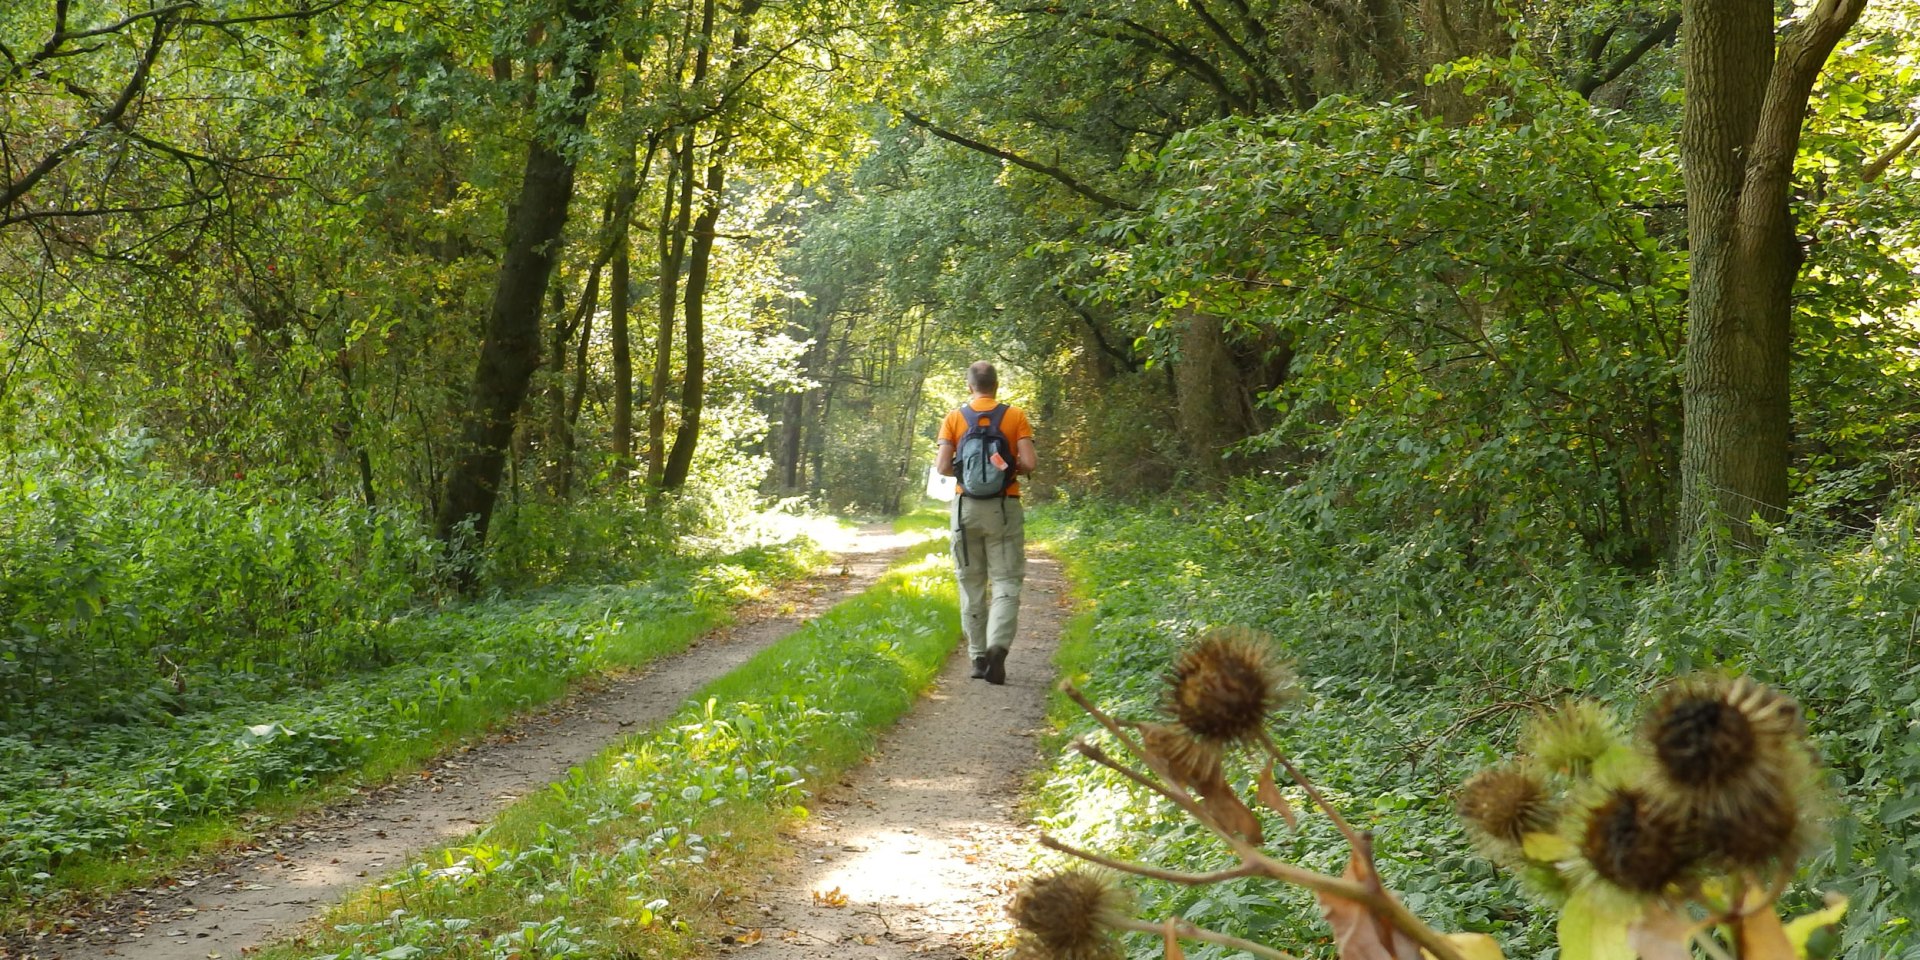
column 1273, row 750
column 1143, row 870
column 1188, row 931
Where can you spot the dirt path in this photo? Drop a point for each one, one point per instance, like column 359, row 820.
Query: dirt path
column 916, row 854
column 301, row 867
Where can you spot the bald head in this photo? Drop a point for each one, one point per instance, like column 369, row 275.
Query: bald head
column 982, row 379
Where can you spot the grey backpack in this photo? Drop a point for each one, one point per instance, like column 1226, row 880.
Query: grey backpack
column 983, row 462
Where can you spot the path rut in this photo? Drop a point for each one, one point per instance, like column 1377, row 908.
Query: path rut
column 917, row 853
column 300, row 868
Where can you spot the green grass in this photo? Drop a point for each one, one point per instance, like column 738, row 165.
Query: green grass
column 929, row 516
column 624, row 856
column 1417, row 666
column 115, row 807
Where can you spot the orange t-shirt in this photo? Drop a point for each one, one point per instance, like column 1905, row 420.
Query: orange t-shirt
column 1014, row 425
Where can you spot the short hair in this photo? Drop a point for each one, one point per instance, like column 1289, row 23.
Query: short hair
column 981, row 378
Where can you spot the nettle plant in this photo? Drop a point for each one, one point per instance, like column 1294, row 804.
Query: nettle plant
column 1674, row 839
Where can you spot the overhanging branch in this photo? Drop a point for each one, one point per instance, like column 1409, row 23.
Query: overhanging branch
column 1660, row 34
column 1056, row 174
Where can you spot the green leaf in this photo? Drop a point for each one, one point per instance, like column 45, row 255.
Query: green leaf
column 1593, row 926
column 1803, row 927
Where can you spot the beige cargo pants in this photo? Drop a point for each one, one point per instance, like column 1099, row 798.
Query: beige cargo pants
column 989, row 561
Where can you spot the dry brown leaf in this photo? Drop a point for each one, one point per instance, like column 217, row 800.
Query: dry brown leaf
column 832, row 898
column 1269, row 793
column 1762, row 937
column 1196, row 767
column 1172, row 938
column 1233, row 816
column 1357, row 930
column 1661, row 935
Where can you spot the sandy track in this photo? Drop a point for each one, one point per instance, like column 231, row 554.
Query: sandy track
column 301, row 867
column 916, row 853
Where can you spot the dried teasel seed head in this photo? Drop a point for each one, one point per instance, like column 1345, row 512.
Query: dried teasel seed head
column 1191, row 763
column 1224, row 685
column 1636, row 843
column 1573, row 737
column 1067, row 915
column 1732, row 759
column 1760, row 824
column 1709, row 733
column 1504, row 804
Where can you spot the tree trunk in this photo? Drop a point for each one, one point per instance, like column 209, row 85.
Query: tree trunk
column 620, row 307
column 1739, row 136
column 693, row 384
column 1211, row 403
column 511, row 351
column 672, row 241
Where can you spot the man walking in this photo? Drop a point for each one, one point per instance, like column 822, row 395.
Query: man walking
column 983, row 446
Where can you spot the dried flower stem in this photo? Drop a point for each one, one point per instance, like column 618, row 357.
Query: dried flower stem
column 1383, row 905
column 1190, row 932
column 1273, row 750
column 1144, row 870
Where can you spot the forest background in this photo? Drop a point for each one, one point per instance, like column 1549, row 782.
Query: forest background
column 1389, row 321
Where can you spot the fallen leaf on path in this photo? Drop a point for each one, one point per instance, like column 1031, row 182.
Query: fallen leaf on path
column 832, row 898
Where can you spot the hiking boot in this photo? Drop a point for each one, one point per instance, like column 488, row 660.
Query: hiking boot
column 996, row 672
column 979, row 668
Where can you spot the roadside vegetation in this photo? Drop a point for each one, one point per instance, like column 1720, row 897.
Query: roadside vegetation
column 633, row 852
column 1419, row 666
column 300, row 645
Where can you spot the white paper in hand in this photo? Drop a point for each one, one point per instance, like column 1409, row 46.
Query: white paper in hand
column 938, row 487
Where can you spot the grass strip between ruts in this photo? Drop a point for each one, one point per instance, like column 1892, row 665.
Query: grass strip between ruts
column 310, row 749
column 632, row 853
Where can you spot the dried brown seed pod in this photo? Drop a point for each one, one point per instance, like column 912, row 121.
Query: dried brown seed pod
column 1636, row 843
column 1191, row 763
column 1225, row 684
column 1067, row 915
column 1506, row 803
column 1732, row 759
column 1709, row 733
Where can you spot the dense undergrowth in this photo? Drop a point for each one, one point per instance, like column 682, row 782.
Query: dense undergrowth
column 177, row 653
column 630, row 850
column 1418, row 662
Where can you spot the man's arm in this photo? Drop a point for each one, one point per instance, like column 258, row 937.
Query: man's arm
column 944, row 463
column 1024, row 456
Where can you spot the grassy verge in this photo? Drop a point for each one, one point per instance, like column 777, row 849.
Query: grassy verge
column 1417, row 667
column 116, row 806
column 929, row 516
column 628, row 855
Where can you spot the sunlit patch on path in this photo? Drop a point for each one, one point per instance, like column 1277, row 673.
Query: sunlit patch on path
column 914, row 854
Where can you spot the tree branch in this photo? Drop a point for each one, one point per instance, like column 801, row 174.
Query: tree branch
column 1058, row 175
column 1802, row 55
column 1661, row 33
column 1872, row 171
column 110, row 117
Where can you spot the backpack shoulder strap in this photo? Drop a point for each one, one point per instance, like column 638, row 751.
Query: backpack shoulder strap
column 996, row 415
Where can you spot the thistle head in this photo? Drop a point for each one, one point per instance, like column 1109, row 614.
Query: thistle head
column 1193, row 764
column 1504, row 804
column 1710, row 733
column 1730, row 757
column 1635, row 843
column 1067, row 915
column 1573, row 737
column 1224, row 685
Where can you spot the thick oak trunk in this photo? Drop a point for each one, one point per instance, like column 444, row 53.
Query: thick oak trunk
column 1739, row 137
